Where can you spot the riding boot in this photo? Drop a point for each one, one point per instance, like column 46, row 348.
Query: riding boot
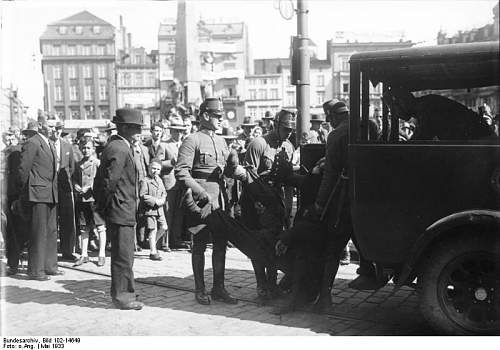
column 260, row 276
column 220, row 293
column 324, row 302
column 294, row 298
column 198, row 262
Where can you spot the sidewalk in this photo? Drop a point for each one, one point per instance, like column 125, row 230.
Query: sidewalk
column 78, row 303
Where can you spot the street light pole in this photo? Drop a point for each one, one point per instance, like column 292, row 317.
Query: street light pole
column 302, row 90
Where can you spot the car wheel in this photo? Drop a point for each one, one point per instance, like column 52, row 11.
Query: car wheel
column 460, row 286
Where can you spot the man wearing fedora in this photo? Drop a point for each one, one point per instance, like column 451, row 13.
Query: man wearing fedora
column 65, row 206
column 246, row 136
column 116, row 191
column 200, row 168
column 173, row 208
column 38, row 188
column 268, row 122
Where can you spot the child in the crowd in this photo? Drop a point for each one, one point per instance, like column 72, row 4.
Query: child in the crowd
column 152, row 194
column 87, row 217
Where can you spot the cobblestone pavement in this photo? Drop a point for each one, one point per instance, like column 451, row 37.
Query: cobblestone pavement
column 78, row 303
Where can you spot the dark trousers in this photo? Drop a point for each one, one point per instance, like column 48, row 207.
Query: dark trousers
column 175, row 217
column 17, row 235
column 66, row 216
column 200, row 241
column 42, row 250
column 122, row 262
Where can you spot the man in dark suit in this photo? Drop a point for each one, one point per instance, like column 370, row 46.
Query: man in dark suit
column 65, row 206
column 38, row 184
column 116, row 193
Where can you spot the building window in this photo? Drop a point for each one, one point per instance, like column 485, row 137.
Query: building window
column 56, row 72
column 73, row 92
column 103, row 91
column 62, row 30
column 101, row 71
column 101, row 50
column 138, row 79
column 320, row 80
column 345, row 88
column 344, row 63
column 152, row 79
column 86, row 50
column 56, row 50
column 78, row 29
column 104, row 111
column 96, row 29
column 290, row 98
column 252, row 94
column 89, row 112
column 262, row 95
column 60, row 112
column 252, row 111
column 75, row 113
column 289, row 80
column 72, row 72
column 127, row 79
column 88, row 93
column 320, row 97
column 58, row 95
column 71, row 50
column 273, row 94
column 87, row 71
column 138, row 59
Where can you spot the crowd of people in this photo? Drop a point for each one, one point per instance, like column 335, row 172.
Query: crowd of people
column 192, row 181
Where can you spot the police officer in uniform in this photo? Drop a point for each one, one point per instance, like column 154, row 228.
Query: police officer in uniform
column 260, row 156
column 200, row 168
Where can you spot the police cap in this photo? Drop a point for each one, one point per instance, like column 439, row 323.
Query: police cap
column 212, row 105
column 286, row 118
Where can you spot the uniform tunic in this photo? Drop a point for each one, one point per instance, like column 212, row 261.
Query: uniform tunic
column 200, row 166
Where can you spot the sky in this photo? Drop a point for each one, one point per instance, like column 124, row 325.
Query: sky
column 23, row 22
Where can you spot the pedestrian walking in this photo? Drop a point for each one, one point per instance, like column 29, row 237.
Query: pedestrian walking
column 116, row 194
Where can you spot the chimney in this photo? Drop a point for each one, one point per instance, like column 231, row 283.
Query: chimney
column 121, row 21
column 129, row 35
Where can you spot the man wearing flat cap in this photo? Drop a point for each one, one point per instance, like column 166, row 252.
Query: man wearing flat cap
column 200, row 168
column 116, row 192
column 336, row 210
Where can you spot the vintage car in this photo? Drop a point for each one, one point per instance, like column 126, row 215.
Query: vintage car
column 428, row 211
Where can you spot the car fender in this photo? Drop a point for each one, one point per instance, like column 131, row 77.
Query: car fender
column 483, row 217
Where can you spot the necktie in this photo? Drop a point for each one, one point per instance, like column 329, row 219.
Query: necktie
column 54, row 153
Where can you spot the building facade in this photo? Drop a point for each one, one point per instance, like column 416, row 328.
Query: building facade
column 473, row 98
column 224, row 59
column 78, row 67
column 338, row 55
column 13, row 111
column 270, row 88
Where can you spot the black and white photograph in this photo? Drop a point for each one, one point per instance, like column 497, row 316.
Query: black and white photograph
column 212, row 169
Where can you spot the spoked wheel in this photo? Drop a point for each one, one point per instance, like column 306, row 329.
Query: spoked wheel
column 461, row 286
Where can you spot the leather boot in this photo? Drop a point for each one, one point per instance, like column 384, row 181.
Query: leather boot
column 324, row 302
column 220, row 293
column 198, row 262
column 260, row 277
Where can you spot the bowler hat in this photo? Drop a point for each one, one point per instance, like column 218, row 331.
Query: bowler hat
column 317, row 118
column 177, row 123
column 212, row 105
column 248, row 121
column 128, row 116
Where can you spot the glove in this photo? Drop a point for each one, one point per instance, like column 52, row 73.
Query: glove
column 203, row 199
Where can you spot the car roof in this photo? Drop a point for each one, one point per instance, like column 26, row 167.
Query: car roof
column 433, row 67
